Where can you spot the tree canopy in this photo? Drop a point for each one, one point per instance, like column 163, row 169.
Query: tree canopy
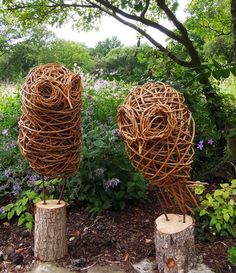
column 186, row 40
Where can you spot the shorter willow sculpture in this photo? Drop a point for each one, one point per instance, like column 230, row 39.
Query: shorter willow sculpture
column 49, row 128
column 158, row 131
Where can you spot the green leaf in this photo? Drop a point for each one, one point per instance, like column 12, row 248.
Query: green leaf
column 10, row 214
column 218, row 227
column 199, row 189
column 226, row 217
column 202, row 212
column 21, row 220
column 25, row 201
column 225, row 194
column 224, row 185
column 9, row 207
column 217, row 193
column 29, row 217
column 213, row 221
column 29, row 225
column 19, row 210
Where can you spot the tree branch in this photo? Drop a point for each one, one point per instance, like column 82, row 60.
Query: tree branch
column 146, row 35
column 184, row 33
column 54, row 5
column 145, row 9
column 142, row 20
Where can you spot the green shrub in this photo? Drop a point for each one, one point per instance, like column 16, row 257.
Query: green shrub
column 231, row 253
column 217, row 214
column 106, row 178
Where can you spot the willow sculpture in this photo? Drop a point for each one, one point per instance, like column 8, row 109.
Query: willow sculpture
column 49, row 128
column 158, row 131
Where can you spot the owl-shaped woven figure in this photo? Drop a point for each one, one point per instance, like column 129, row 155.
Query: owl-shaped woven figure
column 158, row 131
column 49, row 128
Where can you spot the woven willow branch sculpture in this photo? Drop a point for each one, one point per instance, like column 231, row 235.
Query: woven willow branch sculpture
column 158, row 131
column 50, row 134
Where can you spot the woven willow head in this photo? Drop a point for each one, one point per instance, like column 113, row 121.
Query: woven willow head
column 158, row 131
column 50, row 135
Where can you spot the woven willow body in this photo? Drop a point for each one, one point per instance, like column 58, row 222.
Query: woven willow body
column 158, row 131
column 50, row 134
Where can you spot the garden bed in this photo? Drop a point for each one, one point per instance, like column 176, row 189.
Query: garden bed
column 120, row 237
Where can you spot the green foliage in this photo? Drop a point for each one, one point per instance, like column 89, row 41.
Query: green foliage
column 20, row 209
column 217, row 214
column 18, row 57
column 68, row 53
column 231, row 252
column 85, row 17
column 122, row 64
column 106, row 178
column 102, row 48
column 212, row 32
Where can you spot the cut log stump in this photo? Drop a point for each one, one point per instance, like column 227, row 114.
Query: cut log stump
column 50, row 230
column 174, row 243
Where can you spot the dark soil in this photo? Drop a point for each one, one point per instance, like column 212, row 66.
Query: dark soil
column 120, row 237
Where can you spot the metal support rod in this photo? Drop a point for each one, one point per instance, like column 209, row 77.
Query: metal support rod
column 44, row 199
column 184, row 218
column 62, row 191
column 162, row 208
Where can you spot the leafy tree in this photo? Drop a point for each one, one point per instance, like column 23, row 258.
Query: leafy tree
column 137, row 15
column 212, row 32
column 20, row 56
column 69, row 53
column 122, row 63
column 103, row 47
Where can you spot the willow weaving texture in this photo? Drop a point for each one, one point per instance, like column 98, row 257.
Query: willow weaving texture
column 49, row 128
column 158, row 131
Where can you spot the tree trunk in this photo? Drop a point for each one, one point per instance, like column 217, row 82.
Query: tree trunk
column 50, row 231
column 174, row 243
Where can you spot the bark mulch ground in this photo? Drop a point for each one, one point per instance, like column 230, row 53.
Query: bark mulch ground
column 116, row 237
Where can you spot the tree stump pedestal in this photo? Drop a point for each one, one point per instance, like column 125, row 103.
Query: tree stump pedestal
column 50, row 230
column 174, row 243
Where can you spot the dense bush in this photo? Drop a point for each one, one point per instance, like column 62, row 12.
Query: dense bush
column 106, row 178
column 217, row 213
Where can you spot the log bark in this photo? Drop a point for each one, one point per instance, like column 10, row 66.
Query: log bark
column 174, row 243
column 50, row 231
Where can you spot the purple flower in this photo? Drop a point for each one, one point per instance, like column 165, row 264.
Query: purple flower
column 12, row 145
column 2, row 210
column 8, row 173
column 115, row 135
column 16, row 189
column 36, row 189
column 210, row 141
column 200, row 145
column 32, row 179
column 112, row 183
column 5, row 132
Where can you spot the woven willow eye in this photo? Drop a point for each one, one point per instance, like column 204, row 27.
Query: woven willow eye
column 49, row 128
column 158, row 131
